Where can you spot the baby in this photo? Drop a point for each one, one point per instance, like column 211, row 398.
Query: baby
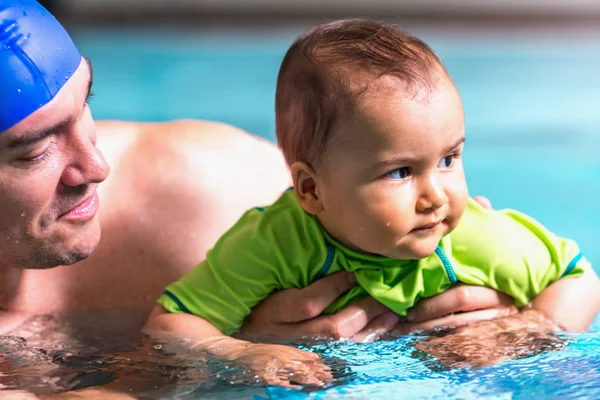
column 372, row 128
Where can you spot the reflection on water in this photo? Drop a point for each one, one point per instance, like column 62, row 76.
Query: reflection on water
column 56, row 357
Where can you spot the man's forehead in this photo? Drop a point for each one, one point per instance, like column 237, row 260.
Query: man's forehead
column 62, row 108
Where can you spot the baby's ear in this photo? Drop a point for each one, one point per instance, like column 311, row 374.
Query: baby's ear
column 305, row 187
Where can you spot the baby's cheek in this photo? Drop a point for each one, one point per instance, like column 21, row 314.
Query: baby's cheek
column 458, row 205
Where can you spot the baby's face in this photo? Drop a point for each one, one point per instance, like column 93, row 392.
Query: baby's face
column 393, row 183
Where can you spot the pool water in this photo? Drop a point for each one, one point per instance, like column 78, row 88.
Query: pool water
column 531, row 103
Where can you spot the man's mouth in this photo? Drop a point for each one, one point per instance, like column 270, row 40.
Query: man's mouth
column 83, row 211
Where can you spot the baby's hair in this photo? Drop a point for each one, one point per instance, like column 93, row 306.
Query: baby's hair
column 327, row 70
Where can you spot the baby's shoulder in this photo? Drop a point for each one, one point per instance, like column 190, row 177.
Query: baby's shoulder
column 486, row 234
column 283, row 224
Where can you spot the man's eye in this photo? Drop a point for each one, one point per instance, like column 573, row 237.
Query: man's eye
column 89, row 98
column 33, row 159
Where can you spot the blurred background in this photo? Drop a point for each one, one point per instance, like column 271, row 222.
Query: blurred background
column 528, row 72
column 265, row 9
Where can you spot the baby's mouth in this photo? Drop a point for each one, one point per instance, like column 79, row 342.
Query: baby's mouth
column 428, row 227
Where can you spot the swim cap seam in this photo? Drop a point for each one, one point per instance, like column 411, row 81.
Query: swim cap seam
column 10, row 37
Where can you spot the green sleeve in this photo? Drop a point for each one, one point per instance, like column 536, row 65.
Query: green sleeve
column 511, row 252
column 266, row 250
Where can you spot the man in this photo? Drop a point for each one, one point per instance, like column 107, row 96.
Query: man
column 173, row 190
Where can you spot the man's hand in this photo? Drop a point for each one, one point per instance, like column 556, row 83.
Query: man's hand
column 459, row 306
column 296, row 313
column 490, row 342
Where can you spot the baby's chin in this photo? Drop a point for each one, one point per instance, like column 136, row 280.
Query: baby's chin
column 423, row 251
column 414, row 251
column 418, row 247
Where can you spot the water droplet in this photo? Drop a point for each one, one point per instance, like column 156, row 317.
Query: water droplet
column 23, row 214
column 19, row 91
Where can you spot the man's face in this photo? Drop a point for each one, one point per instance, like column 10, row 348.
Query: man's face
column 49, row 170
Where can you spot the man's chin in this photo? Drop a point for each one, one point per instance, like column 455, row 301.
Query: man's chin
column 52, row 260
column 67, row 253
column 74, row 258
column 79, row 252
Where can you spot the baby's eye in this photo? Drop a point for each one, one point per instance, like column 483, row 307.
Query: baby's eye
column 398, row 173
column 446, row 162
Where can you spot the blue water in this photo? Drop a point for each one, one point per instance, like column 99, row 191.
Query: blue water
column 533, row 125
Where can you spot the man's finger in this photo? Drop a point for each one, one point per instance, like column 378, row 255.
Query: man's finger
column 457, row 299
column 296, row 305
column 323, row 373
column 454, row 321
column 344, row 324
column 379, row 326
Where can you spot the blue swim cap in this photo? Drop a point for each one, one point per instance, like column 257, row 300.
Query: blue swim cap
column 37, row 57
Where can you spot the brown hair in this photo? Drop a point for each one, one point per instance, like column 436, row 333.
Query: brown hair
column 327, row 70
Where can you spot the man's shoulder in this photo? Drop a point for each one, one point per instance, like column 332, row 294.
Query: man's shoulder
column 165, row 183
column 187, row 134
column 208, row 156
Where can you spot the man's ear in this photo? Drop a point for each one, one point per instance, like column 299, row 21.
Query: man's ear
column 305, row 187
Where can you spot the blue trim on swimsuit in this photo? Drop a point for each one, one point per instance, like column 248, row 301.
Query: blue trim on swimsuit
column 572, row 264
column 447, row 265
column 327, row 264
column 177, row 301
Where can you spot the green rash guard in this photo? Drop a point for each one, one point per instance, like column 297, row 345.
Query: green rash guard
column 281, row 247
